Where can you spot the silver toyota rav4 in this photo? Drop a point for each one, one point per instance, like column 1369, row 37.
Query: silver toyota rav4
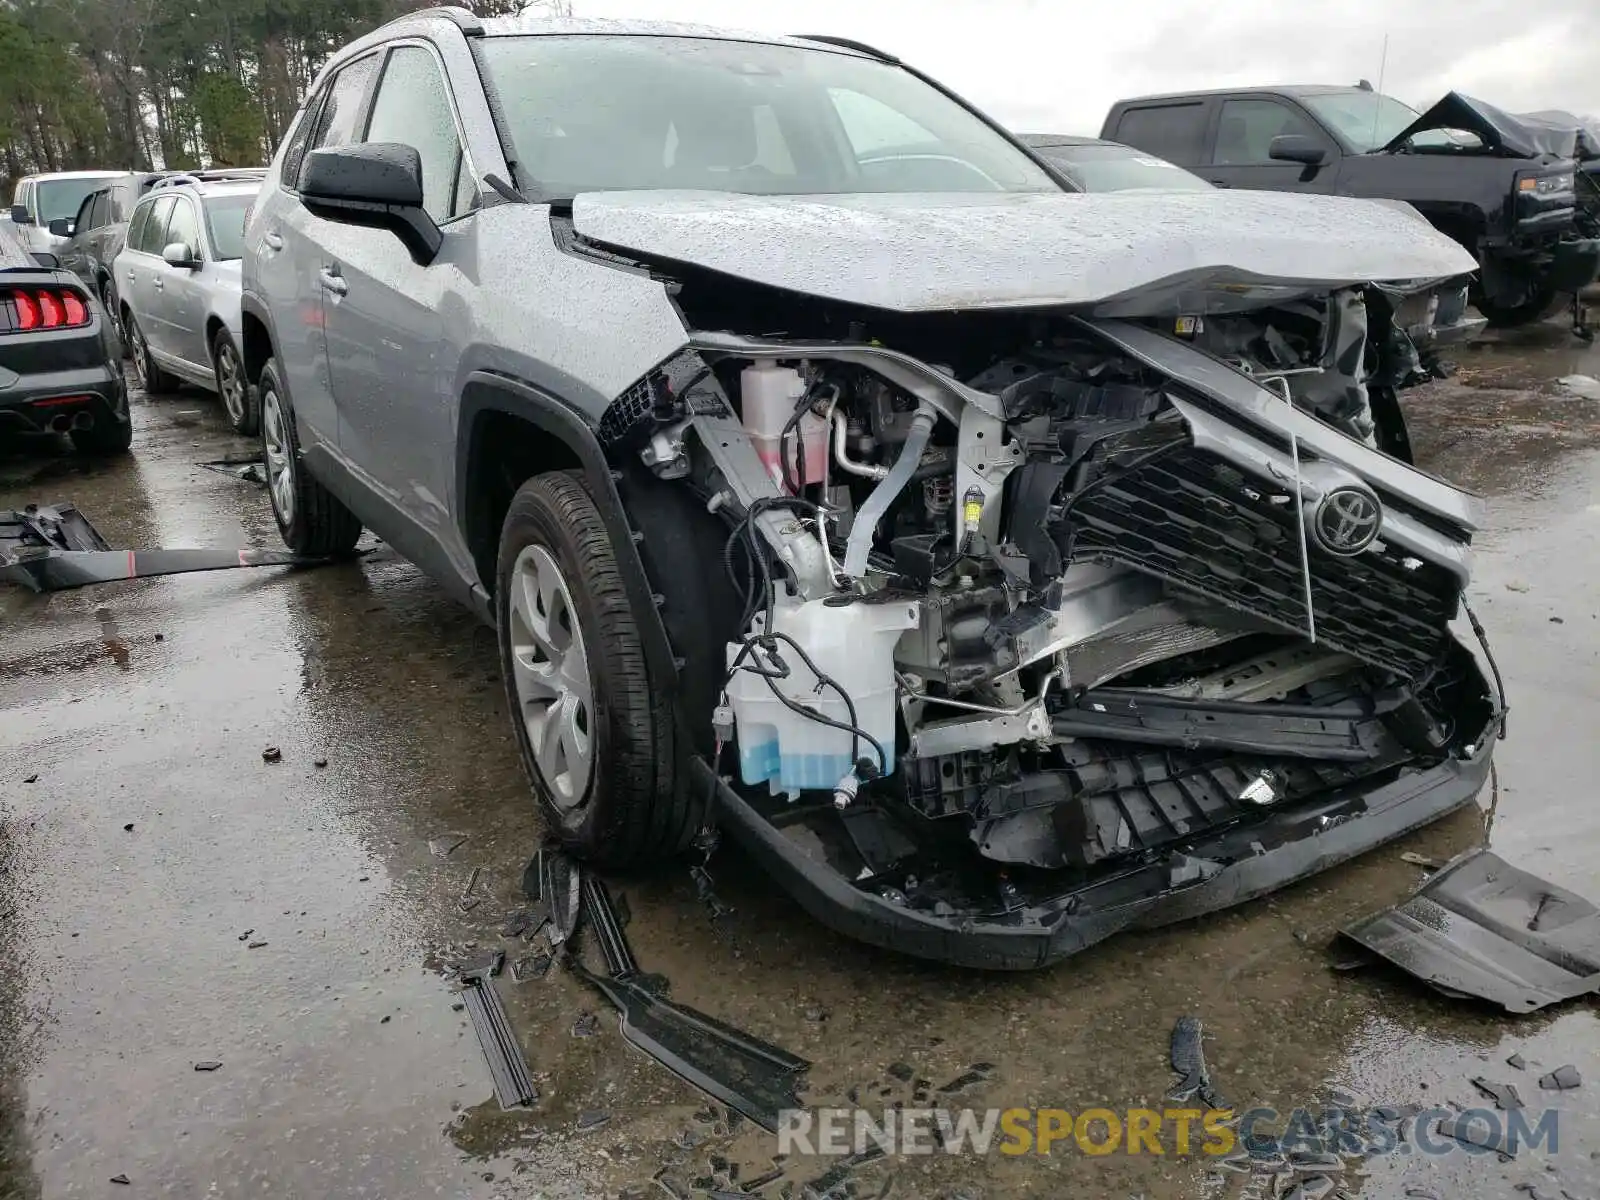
column 177, row 285
column 1004, row 565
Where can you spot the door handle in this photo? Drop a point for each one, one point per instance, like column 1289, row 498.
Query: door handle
column 159, row 285
column 1220, row 183
column 333, row 282
column 273, row 242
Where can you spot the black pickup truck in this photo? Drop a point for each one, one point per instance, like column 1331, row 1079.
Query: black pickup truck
column 1518, row 192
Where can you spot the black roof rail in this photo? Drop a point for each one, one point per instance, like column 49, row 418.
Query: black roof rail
column 848, row 44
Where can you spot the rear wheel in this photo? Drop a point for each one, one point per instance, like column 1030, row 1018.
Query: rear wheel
column 310, row 518
column 596, row 737
column 106, row 436
column 1534, row 305
column 150, row 375
column 238, row 400
column 108, row 301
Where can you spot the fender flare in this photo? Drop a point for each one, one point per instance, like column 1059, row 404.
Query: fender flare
column 490, row 391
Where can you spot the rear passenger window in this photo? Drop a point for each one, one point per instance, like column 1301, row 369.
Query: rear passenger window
column 341, row 112
column 1175, row 132
column 152, row 238
column 1247, row 127
column 183, row 226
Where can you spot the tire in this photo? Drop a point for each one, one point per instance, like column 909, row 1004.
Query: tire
column 310, row 518
column 559, row 591
column 1540, row 303
column 108, row 301
column 151, row 377
column 238, row 399
column 103, row 437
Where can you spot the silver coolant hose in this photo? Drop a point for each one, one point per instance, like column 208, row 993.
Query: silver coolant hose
column 866, row 521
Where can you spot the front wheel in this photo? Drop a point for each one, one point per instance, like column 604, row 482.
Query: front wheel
column 105, row 436
column 310, row 518
column 596, row 737
column 238, row 400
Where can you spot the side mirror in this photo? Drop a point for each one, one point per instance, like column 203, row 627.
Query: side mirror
column 377, row 184
column 46, row 260
column 179, row 255
column 1297, row 148
column 61, row 227
column 19, row 215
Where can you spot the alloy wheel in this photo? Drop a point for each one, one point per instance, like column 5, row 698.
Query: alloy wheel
column 113, row 318
column 550, row 671
column 280, row 457
column 139, row 352
column 230, row 382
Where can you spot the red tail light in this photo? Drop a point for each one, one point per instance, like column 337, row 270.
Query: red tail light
column 44, row 308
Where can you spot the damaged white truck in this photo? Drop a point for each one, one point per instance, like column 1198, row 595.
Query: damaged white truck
column 1003, row 566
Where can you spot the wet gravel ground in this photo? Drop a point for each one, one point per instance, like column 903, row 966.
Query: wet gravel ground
column 168, row 897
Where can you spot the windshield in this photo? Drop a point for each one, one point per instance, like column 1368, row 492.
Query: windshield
column 63, row 197
column 634, row 113
column 225, row 216
column 1120, row 169
column 1366, row 121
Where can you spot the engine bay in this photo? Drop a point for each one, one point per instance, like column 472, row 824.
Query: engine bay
column 1051, row 608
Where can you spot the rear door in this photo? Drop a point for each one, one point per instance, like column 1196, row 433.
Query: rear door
column 140, row 273
column 288, row 248
column 1245, row 127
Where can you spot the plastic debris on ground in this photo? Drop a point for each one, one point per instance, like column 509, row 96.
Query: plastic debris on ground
column 754, row 1078
column 52, row 548
column 1482, row 927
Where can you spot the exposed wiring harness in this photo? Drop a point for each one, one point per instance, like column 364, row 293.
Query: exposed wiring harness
column 1494, row 667
column 759, row 592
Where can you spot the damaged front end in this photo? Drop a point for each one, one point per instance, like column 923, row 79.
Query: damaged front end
column 1054, row 623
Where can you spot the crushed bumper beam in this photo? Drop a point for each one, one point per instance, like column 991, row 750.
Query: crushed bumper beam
column 1249, row 861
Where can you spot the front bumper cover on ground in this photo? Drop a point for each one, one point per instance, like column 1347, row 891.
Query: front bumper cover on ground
column 1261, row 857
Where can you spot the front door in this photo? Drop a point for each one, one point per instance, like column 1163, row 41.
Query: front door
column 142, row 271
column 183, row 306
column 1240, row 151
column 288, row 244
column 386, row 315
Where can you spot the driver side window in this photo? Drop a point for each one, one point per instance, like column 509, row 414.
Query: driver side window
column 872, row 126
column 413, row 107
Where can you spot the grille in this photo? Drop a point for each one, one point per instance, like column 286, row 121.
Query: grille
column 1197, row 521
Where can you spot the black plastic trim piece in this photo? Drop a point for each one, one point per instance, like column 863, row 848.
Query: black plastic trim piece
column 513, row 1082
column 1292, row 844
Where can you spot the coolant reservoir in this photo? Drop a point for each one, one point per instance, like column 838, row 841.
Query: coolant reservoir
column 854, row 645
column 768, row 395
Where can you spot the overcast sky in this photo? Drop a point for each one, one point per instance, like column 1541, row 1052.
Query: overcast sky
column 1055, row 66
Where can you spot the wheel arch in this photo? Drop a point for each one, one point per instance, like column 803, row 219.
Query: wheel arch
column 256, row 327
column 511, row 431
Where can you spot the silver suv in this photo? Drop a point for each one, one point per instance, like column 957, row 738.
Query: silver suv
column 177, row 284
column 1035, row 563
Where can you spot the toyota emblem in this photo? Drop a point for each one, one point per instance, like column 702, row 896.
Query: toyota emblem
column 1347, row 520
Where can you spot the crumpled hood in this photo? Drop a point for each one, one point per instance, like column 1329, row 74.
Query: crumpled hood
column 929, row 252
column 1512, row 137
column 1568, row 136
